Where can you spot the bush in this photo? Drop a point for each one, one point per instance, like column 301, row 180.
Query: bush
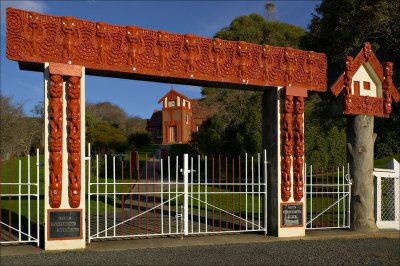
column 139, row 139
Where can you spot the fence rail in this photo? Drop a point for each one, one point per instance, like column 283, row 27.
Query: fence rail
column 19, row 202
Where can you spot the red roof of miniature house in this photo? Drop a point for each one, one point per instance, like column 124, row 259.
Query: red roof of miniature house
column 364, row 55
column 172, row 94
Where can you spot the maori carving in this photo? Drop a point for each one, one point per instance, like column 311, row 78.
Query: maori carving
column 386, row 85
column 192, row 52
column 68, row 27
column 135, row 45
column 74, row 141
column 102, row 44
column 367, row 51
column 34, row 24
column 216, row 56
column 364, row 105
column 244, row 58
column 112, row 50
column 348, row 80
column 286, row 137
column 298, row 160
column 56, row 128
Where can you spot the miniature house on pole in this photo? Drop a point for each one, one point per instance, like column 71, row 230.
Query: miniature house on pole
column 365, row 86
column 364, row 89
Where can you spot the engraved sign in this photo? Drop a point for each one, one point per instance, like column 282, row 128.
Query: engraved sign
column 292, row 214
column 64, row 224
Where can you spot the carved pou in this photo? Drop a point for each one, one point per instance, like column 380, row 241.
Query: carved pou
column 34, row 21
column 101, row 32
column 243, row 54
column 68, row 28
column 286, row 136
column 135, row 44
column 192, row 52
column 216, row 56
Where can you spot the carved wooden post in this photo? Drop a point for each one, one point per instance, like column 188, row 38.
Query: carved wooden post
column 298, row 160
column 56, row 135
column 74, row 141
column 286, row 140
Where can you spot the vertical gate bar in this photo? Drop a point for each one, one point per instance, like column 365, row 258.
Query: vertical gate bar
column 323, row 197
column 219, row 186
column 169, row 195
column 185, row 194
column 176, row 194
column 233, row 192
column 106, row 195
column 114, row 192
column 88, row 189
column 265, row 192
column 206, row 190
column 37, row 199
column 138, row 193
column 97, row 196
column 252, row 192
column 332, row 196
column 246, row 189
column 212, row 172
column 349, row 194
column 240, row 194
column 316, row 193
column 29, row 197
column 123, row 196
column 311, row 195
column 19, row 199
column 191, row 194
column 9, row 198
column 162, row 195
column 259, row 195
column 147, row 198
column 198, row 191
column 154, row 194
column 226, row 194
column 343, row 202
column 337, row 196
column 130, row 192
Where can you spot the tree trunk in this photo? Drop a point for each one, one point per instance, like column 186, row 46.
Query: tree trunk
column 360, row 144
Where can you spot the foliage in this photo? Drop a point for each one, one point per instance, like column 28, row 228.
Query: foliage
column 236, row 125
column 351, row 23
column 139, row 139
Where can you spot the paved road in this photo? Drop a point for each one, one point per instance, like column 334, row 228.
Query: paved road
column 378, row 251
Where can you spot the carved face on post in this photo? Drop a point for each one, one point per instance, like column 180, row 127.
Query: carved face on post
column 68, row 24
column 56, row 86
column 367, row 50
column 190, row 41
column 348, row 64
column 242, row 48
column 289, row 54
column 101, row 29
column 74, row 88
column 133, row 33
column 162, row 37
column 288, row 104
column 34, row 20
column 299, row 105
column 388, row 69
column 217, row 44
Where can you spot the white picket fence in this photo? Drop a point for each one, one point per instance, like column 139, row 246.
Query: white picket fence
column 388, row 196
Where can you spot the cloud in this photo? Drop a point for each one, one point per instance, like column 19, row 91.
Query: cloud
column 37, row 6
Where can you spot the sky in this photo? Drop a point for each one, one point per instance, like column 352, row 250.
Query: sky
column 137, row 98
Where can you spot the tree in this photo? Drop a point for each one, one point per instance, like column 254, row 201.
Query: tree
column 109, row 113
column 340, row 26
column 235, row 126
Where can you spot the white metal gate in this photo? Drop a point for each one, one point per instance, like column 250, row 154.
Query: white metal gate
column 328, row 195
column 175, row 196
column 388, row 196
column 19, row 203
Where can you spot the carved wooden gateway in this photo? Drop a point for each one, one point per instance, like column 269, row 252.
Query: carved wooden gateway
column 67, row 43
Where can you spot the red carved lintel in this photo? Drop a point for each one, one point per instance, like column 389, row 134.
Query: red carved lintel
column 74, row 140
column 56, row 136
column 133, row 52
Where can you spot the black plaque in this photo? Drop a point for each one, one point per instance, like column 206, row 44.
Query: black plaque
column 64, row 224
column 292, row 214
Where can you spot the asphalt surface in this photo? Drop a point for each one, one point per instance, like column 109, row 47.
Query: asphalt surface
column 367, row 251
